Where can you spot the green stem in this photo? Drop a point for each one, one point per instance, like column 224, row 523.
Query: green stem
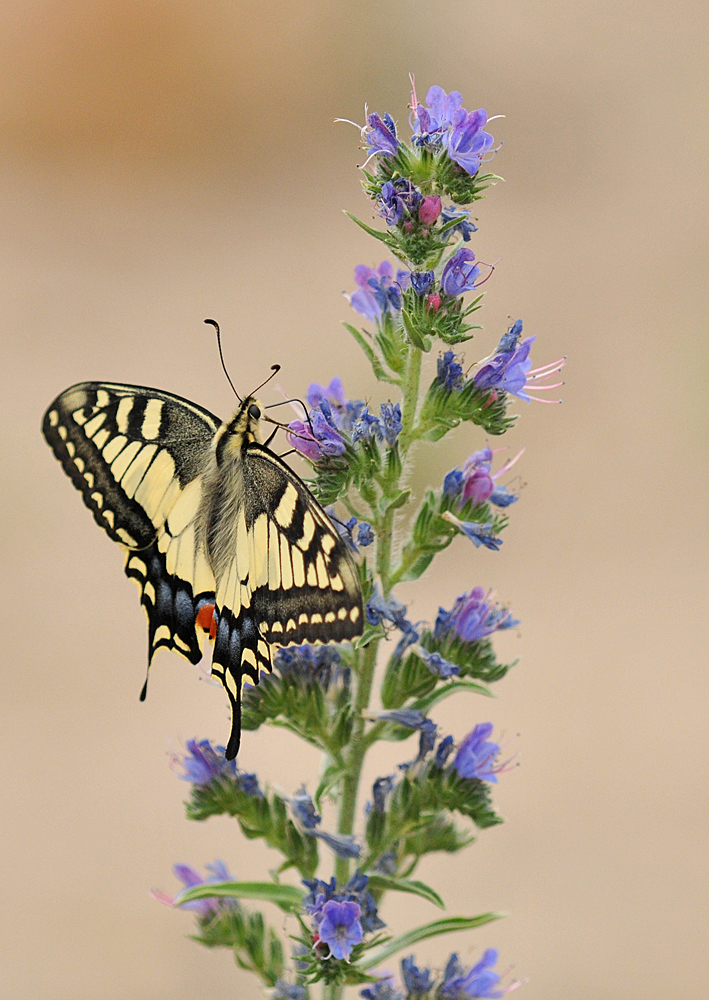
column 410, row 391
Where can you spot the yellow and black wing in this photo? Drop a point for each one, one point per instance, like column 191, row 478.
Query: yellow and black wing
column 291, row 579
column 136, row 455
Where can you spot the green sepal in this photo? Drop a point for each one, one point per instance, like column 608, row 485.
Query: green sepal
column 386, row 238
column 383, row 883
column 439, row 694
column 371, row 633
column 414, row 333
column 287, row 897
column 438, row 927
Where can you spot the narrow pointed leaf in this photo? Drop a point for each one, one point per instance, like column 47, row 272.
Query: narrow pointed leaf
column 427, row 931
column 406, row 885
column 439, row 693
column 286, row 896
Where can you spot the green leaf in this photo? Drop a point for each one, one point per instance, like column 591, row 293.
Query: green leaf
column 399, row 500
column 385, row 884
column 384, row 237
column 371, row 634
column 288, row 897
column 427, row 931
column 427, row 702
column 371, row 354
column 423, row 344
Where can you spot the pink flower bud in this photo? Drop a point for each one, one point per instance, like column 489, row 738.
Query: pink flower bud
column 433, row 302
column 430, row 208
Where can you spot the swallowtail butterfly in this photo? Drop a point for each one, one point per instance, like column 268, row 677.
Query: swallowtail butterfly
column 220, row 535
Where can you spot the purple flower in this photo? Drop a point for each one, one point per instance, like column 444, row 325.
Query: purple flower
column 431, row 123
column 467, row 141
column 379, row 610
column 340, row 928
column 479, row 982
column 510, row 368
column 381, row 135
column 317, row 440
column 477, row 755
column 472, row 617
column 429, row 209
column 333, row 393
column 450, row 372
column 475, row 481
column 427, row 739
column 422, row 282
column 318, row 665
column 510, row 340
column 379, row 292
column 343, row 845
column 463, row 226
column 460, row 274
column 208, row 907
column 391, row 422
column 303, row 809
column 417, row 981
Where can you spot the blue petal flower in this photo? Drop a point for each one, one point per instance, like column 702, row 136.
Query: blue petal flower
column 411, row 718
column 365, row 535
column 391, row 422
column 385, row 989
column 381, row 135
column 203, row 763
column 450, row 372
column 340, row 928
column 467, row 141
column 460, row 273
column 284, row 990
column 437, row 664
column 417, row 981
column 422, row 282
column 367, row 427
column 381, row 789
column 317, row 439
column 303, row 809
column 479, row 982
column 477, row 755
column 479, row 534
column 379, row 290
column 502, row 497
column 464, row 227
column 472, row 618
column 444, row 750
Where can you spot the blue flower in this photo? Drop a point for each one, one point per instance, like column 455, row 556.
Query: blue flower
column 379, row 610
column 509, row 370
column 417, row 981
column 399, row 199
column 467, row 141
column 381, row 135
column 502, row 497
column 427, row 739
column 433, row 122
column 472, row 618
column 450, row 372
column 284, row 990
column 443, row 751
column 464, row 227
column 477, row 755
column 437, row 664
column 411, row 718
column 381, row 789
column 422, row 282
column 365, row 535
column 475, row 481
column 391, row 422
column 343, row 845
column 385, row 989
column 479, row 534
column 367, row 427
column 510, row 340
column 453, row 483
column 304, row 810
column 340, row 928
column 460, row 273
column 203, row 763
column 355, row 891
column 379, row 290
column 479, row 982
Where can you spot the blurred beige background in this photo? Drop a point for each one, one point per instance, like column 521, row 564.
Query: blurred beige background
column 169, row 161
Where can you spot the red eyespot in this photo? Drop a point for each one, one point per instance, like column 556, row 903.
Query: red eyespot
column 206, row 620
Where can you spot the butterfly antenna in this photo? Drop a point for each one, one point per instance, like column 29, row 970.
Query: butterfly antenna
column 213, row 322
column 274, row 371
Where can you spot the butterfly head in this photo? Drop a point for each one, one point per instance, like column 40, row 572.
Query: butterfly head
column 242, row 429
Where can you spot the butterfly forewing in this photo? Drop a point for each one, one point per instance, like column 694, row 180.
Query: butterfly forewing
column 136, row 454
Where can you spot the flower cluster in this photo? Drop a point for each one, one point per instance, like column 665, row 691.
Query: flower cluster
column 340, row 918
column 453, row 983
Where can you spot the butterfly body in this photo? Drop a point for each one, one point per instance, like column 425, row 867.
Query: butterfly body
column 209, row 518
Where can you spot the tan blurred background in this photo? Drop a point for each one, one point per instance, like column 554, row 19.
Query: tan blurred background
column 169, row 161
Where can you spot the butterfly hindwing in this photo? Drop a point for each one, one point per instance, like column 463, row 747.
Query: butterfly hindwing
column 135, row 454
